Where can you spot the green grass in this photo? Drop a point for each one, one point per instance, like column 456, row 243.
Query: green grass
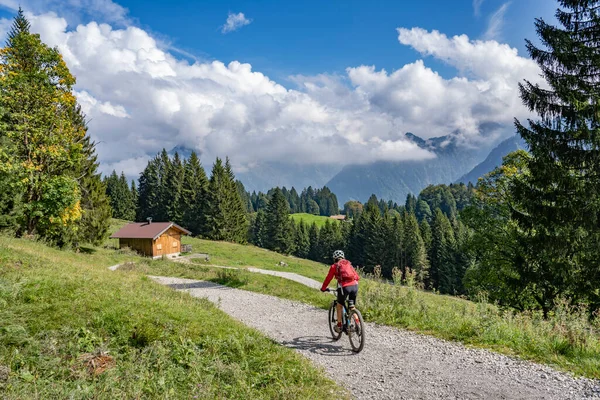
column 567, row 340
column 310, row 218
column 235, row 255
column 239, row 279
column 60, row 309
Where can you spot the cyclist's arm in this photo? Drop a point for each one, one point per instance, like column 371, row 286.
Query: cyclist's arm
column 328, row 279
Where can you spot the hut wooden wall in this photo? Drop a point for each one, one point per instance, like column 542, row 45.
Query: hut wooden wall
column 169, row 243
column 143, row 246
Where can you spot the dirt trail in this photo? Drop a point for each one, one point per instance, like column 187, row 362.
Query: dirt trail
column 395, row 364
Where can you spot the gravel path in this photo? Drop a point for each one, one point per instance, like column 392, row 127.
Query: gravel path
column 395, row 364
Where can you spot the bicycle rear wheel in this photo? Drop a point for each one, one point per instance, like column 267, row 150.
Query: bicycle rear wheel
column 356, row 331
column 332, row 321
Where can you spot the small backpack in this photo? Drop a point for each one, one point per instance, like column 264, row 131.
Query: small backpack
column 345, row 272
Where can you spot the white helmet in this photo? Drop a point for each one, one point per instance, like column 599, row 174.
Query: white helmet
column 338, row 254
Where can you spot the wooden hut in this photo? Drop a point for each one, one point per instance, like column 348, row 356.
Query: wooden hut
column 152, row 239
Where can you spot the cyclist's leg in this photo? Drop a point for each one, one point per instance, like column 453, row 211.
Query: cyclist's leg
column 340, row 305
column 352, row 292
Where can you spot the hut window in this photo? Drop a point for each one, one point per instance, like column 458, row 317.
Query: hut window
column 159, row 246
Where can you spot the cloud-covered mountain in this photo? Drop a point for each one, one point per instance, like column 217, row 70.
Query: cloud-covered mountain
column 494, row 159
column 394, row 180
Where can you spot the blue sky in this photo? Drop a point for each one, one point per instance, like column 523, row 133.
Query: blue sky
column 311, row 37
column 290, row 82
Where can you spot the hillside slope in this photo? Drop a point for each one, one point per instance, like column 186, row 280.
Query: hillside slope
column 70, row 328
column 394, row 180
column 494, row 159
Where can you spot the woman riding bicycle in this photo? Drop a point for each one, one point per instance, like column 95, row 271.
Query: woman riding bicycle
column 347, row 280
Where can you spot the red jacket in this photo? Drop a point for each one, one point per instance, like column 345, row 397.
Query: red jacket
column 332, row 273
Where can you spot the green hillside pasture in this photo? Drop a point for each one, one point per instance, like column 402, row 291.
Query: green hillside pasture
column 310, row 218
column 235, row 255
column 70, row 328
column 567, row 340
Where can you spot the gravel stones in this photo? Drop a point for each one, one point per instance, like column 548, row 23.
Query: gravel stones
column 395, row 364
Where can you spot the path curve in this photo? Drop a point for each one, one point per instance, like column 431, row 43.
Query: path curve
column 395, row 364
column 292, row 276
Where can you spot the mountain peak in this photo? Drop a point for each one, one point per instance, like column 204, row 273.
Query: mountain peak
column 435, row 144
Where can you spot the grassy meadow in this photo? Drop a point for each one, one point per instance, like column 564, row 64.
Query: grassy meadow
column 568, row 340
column 70, row 328
column 309, row 219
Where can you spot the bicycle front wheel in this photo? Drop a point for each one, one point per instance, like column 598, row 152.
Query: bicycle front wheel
column 356, row 331
column 332, row 321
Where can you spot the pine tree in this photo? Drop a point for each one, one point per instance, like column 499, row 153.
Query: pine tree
column 245, row 196
column 225, row 218
column 172, row 188
column 425, row 230
column 373, row 234
column 411, row 204
column 259, row 229
column 149, row 192
column 120, row 197
column 561, row 214
column 193, row 194
column 443, row 273
column 462, row 255
column 238, row 220
column 302, row 241
column 357, row 241
column 414, row 248
column 393, row 237
column 42, row 143
column 279, row 225
column 313, row 234
column 134, row 197
column 95, row 205
column 294, row 201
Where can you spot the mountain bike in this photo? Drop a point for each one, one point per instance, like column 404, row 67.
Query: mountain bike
column 353, row 324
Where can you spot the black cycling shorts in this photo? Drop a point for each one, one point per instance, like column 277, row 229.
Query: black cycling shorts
column 349, row 292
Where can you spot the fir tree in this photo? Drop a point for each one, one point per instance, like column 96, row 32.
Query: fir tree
column 134, row 197
column 411, row 204
column 95, row 205
column 302, row 241
column 560, row 213
column 259, row 229
column 172, row 187
column 149, row 192
column 414, row 248
column 425, row 230
column 442, row 273
column 279, row 225
column 313, row 234
column 374, row 246
column 193, row 194
column 225, row 218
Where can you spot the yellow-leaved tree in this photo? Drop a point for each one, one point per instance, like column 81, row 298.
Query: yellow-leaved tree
column 41, row 143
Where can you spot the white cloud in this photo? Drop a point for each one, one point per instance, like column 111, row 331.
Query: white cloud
column 477, row 7
column 235, row 22
column 496, row 23
column 140, row 98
